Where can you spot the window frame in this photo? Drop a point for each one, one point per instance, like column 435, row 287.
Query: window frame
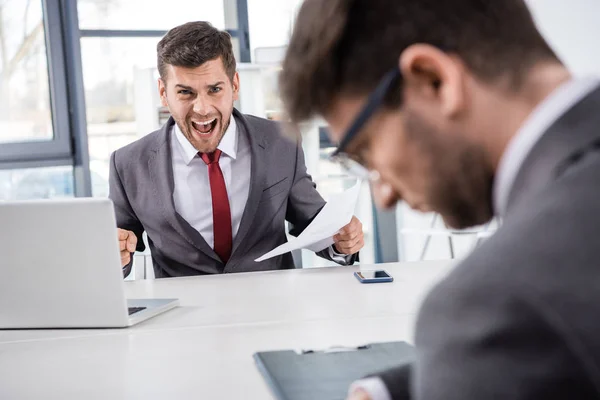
column 55, row 151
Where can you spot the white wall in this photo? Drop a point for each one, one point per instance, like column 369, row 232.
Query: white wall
column 572, row 28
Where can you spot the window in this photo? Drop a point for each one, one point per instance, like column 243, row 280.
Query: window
column 34, row 118
column 36, row 183
column 121, row 94
column 271, row 22
column 147, row 15
column 24, row 90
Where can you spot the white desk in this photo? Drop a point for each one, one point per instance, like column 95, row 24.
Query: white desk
column 203, row 349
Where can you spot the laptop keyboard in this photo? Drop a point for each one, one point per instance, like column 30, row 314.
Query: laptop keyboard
column 133, row 310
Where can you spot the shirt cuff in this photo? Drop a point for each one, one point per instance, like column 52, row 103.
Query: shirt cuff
column 374, row 387
column 339, row 257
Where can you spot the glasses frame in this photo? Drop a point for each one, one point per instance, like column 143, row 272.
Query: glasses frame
column 373, row 103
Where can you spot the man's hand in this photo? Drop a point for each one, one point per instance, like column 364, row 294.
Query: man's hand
column 127, row 245
column 350, row 239
column 359, row 395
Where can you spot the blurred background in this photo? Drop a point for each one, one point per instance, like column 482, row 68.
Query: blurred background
column 78, row 81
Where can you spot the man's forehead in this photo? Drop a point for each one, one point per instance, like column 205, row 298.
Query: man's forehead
column 207, row 73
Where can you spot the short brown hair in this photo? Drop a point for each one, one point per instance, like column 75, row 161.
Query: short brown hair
column 192, row 44
column 347, row 46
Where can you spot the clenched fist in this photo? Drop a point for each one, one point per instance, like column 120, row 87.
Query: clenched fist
column 127, row 245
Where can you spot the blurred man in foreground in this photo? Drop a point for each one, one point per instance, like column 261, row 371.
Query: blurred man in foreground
column 463, row 109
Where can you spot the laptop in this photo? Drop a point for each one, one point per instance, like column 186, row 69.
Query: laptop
column 60, row 267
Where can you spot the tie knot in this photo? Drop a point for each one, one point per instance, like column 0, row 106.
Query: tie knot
column 210, row 158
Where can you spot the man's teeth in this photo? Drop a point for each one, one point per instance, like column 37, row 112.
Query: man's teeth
column 205, row 123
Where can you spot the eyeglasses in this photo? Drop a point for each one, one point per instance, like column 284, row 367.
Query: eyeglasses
column 352, row 165
column 355, row 168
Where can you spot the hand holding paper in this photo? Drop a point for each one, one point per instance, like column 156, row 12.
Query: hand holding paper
column 317, row 236
column 350, row 239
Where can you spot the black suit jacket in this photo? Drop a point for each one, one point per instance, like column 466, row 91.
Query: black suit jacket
column 141, row 187
column 519, row 319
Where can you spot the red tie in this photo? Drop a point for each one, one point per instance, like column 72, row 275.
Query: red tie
column 220, row 205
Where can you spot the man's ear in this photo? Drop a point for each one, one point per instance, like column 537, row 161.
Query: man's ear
column 236, row 86
column 435, row 76
column 162, row 91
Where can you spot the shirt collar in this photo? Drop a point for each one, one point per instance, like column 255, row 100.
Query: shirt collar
column 535, row 126
column 228, row 144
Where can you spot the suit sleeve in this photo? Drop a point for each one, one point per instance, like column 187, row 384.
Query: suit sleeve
column 397, row 381
column 305, row 202
column 125, row 216
column 391, row 384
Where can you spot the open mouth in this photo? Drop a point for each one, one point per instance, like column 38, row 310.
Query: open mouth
column 204, row 128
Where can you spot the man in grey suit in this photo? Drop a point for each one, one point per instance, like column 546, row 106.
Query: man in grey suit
column 460, row 107
column 212, row 188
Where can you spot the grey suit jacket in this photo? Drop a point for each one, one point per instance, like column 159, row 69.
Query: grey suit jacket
column 141, row 188
column 520, row 318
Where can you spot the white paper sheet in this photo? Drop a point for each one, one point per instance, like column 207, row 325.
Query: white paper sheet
column 336, row 214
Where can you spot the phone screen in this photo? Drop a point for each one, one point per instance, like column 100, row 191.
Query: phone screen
column 374, row 274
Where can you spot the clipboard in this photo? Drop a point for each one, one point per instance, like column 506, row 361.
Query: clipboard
column 327, row 374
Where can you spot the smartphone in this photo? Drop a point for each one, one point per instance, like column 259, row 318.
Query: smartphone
column 376, row 276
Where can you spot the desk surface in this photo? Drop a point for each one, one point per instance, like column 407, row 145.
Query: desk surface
column 203, row 349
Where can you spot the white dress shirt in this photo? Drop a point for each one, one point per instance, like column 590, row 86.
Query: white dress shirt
column 541, row 118
column 192, row 195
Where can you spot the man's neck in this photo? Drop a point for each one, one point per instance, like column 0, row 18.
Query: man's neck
column 517, row 106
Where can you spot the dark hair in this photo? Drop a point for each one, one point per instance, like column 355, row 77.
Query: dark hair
column 347, row 46
column 192, row 44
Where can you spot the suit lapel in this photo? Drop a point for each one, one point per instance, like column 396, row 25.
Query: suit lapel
column 571, row 135
column 160, row 167
column 258, row 145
